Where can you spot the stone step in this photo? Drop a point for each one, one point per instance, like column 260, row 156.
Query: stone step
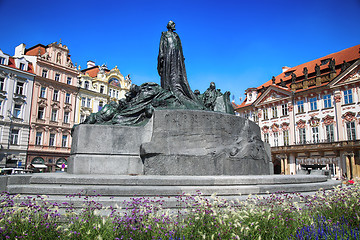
column 145, row 180
column 163, row 190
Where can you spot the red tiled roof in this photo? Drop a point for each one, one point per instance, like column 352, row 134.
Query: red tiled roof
column 34, row 51
column 12, row 64
column 348, row 55
column 93, row 71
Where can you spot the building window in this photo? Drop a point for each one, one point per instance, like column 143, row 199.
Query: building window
column 327, row 101
column 69, row 79
column 286, row 137
column 19, row 88
column 2, row 83
column 88, row 102
column 86, row 84
column 329, row 133
column 117, row 94
column 57, row 77
column 64, row 141
column 313, row 104
column 284, row 109
column 55, row 95
column 66, row 117
column 2, row 60
column 110, row 92
column 52, row 139
column 44, row 73
column 276, row 139
column 22, row 66
column 255, row 117
column 350, row 129
column 101, row 104
column 101, row 89
column 315, row 134
column 53, row 115
column 348, row 98
column 43, row 92
column 17, row 110
column 83, row 101
column 266, row 137
column 274, row 112
column 300, row 105
column 82, row 118
column 67, row 98
column 266, row 116
column 14, row 137
column 302, row 135
column 1, row 101
column 41, row 113
column 38, row 138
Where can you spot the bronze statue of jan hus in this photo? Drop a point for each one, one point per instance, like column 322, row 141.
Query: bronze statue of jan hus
column 174, row 93
column 171, row 68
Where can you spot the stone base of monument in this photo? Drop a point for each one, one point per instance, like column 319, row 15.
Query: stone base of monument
column 176, row 152
column 173, row 142
column 115, row 189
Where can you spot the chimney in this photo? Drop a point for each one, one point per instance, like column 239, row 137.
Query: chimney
column 20, row 50
column 285, row 68
column 90, row 64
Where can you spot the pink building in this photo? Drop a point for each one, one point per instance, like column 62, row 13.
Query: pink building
column 53, row 106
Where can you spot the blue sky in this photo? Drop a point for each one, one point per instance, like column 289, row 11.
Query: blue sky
column 236, row 44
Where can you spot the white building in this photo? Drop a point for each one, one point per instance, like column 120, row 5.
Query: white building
column 16, row 86
column 309, row 114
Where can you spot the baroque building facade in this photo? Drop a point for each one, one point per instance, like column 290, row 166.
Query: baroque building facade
column 53, row 106
column 16, row 84
column 309, row 114
column 98, row 86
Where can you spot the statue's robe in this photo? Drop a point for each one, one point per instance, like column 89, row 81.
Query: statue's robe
column 171, row 68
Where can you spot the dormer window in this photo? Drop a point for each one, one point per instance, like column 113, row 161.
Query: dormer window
column 22, row 66
column 325, row 61
column 287, row 74
column 86, row 85
column 4, row 59
column 101, row 89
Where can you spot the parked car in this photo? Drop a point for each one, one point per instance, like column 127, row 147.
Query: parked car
column 11, row 171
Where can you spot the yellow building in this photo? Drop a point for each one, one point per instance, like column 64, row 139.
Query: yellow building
column 98, row 86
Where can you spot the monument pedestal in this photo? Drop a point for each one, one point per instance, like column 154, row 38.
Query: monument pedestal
column 173, row 142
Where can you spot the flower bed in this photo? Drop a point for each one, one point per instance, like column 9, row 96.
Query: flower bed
column 330, row 214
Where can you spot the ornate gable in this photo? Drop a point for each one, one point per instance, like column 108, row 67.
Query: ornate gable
column 351, row 74
column 272, row 94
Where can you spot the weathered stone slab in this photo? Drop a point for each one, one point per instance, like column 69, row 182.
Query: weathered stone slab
column 204, row 143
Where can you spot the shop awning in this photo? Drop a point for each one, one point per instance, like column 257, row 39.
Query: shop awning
column 39, row 165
